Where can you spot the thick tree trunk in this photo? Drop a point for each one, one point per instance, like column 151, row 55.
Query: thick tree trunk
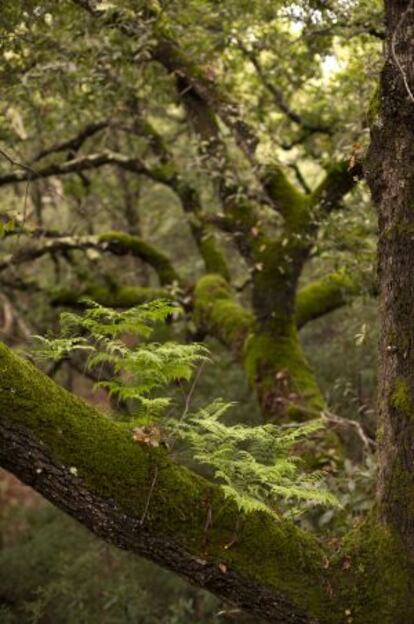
column 390, row 172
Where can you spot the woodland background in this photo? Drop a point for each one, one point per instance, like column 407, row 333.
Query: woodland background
column 78, row 93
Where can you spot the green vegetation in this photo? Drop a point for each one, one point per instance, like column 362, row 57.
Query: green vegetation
column 181, row 185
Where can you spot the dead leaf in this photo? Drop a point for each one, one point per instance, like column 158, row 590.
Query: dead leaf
column 223, row 568
column 150, row 435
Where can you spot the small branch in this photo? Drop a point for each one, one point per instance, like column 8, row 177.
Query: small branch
column 73, row 144
column 151, row 490
column 394, row 52
column 279, row 98
column 368, row 443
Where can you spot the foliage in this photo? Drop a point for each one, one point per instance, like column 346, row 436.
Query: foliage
column 301, row 74
column 256, row 465
column 139, row 369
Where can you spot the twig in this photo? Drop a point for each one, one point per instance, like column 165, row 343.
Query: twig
column 192, row 389
column 394, row 53
column 187, row 402
column 330, row 417
column 339, row 420
column 153, row 482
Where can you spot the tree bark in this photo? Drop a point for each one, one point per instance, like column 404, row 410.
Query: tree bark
column 390, row 172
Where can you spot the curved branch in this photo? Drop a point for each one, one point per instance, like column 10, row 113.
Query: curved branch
column 326, row 295
column 168, row 54
column 117, row 243
column 91, row 468
column 76, row 165
column 338, row 182
column 279, row 98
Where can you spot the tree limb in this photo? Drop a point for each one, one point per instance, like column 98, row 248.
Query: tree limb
column 72, row 145
column 91, row 468
column 117, row 243
column 326, row 295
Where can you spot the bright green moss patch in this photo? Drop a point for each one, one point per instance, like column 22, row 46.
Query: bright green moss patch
column 292, row 204
column 276, row 366
column 325, row 295
column 371, row 577
column 216, row 309
column 401, row 397
column 213, row 258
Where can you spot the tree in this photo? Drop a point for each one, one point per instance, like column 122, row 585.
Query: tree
column 78, row 459
column 271, row 224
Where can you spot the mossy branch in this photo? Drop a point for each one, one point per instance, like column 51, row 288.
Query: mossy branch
column 339, row 180
column 118, row 243
column 217, row 311
column 326, row 295
column 118, row 297
column 123, row 244
column 292, row 204
column 91, row 467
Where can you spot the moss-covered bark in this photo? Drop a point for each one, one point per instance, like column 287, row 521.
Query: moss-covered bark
column 278, row 370
column 325, row 295
column 91, row 452
column 271, row 355
column 217, row 311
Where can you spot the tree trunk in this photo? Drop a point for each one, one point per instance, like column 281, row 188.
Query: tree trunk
column 390, row 172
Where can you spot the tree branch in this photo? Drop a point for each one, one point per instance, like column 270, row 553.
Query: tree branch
column 279, row 98
column 72, row 145
column 326, row 295
column 117, row 243
column 339, row 180
column 167, row 53
column 78, row 165
column 91, row 468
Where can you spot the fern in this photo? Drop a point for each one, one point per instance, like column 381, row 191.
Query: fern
column 140, row 370
column 256, row 466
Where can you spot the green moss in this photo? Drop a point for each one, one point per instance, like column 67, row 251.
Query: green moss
column 292, row 204
column 371, row 577
column 213, row 258
column 217, row 311
column 241, row 212
column 374, row 108
column 121, row 243
column 325, row 295
column 276, row 366
column 401, row 397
